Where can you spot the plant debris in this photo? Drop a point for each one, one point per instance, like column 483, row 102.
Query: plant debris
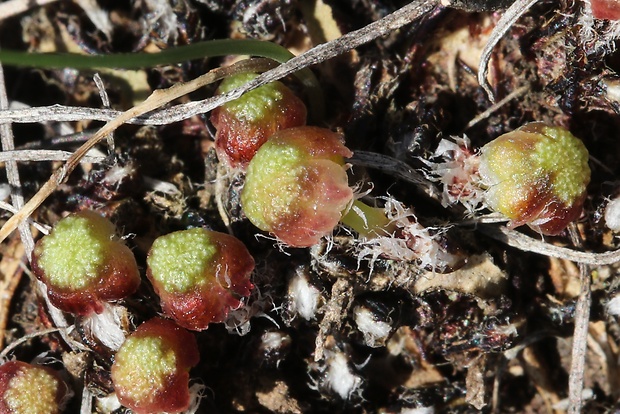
column 452, row 310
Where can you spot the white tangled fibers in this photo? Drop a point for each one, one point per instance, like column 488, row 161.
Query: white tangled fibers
column 375, row 330
column 412, row 243
column 612, row 215
column 338, row 375
column 303, row 298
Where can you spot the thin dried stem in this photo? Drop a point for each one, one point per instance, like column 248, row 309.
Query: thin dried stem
column 26, row 338
column 580, row 334
column 45, row 155
column 490, row 110
column 14, row 7
column 12, row 172
column 525, row 243
column 395, row 168
column 512, row 14
column 318, row 54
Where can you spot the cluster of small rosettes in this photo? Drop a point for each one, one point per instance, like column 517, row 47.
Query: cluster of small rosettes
column 200, row 275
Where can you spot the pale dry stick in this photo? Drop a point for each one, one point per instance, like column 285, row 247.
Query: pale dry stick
column 14, row 7
column 105, row 100
column 43, row 228
column 11, row 276
column 401, row 17
column 158, row 98
column 512, row 14
column 580, row 333
column 26, row 338
column 525, row 243
column 491, row 109
column 45, row 155
column 318, row 54
column 12, row 172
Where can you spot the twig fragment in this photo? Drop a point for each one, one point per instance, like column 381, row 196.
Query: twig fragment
column 12, row 173
column 525, row 243
column 512, row 14
column 580, row 333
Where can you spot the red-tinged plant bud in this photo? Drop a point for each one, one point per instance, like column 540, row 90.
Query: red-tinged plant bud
column 199, row 275
column 151, row 369
column 30, row 389
column 606, row 9
column 296, row 186
column 83, row 264
column 243, row 125
column 536, row 175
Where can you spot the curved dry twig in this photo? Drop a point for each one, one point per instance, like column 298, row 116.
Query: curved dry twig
column 512, row 14
column 525, row 243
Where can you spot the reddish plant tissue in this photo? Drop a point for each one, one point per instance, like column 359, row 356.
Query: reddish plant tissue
column 151, row 369
column 606, row 9
column 30, row 389
column 244, row 124
column 199, row 275
column 296, row 186
column 83, row 264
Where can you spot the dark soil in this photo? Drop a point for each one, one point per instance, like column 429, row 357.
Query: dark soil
column 493, row 334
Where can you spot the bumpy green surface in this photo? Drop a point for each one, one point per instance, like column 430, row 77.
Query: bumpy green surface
column 32, row 391
column 143, row 364
column 254, row 105
column 274, row 162
column 181, row 261
column 75, row 250
column 566, row 156
column 534, row 161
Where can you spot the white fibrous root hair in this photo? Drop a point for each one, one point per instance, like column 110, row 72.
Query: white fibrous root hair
column 110, row 327
column 337, row 376
column 458, row 173
column 411, row 242
column 612, row 215
column 597, row 35
column 196, row 394
column 238, row 320
column 375, row 330
column 303, row 297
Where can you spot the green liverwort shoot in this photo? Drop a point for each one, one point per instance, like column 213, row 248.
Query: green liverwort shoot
column 30, row 389
column 297, row 188
column 536, row 175
column 151, row 369
column 243, row 125
column 199, row 275
column 83, row 264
